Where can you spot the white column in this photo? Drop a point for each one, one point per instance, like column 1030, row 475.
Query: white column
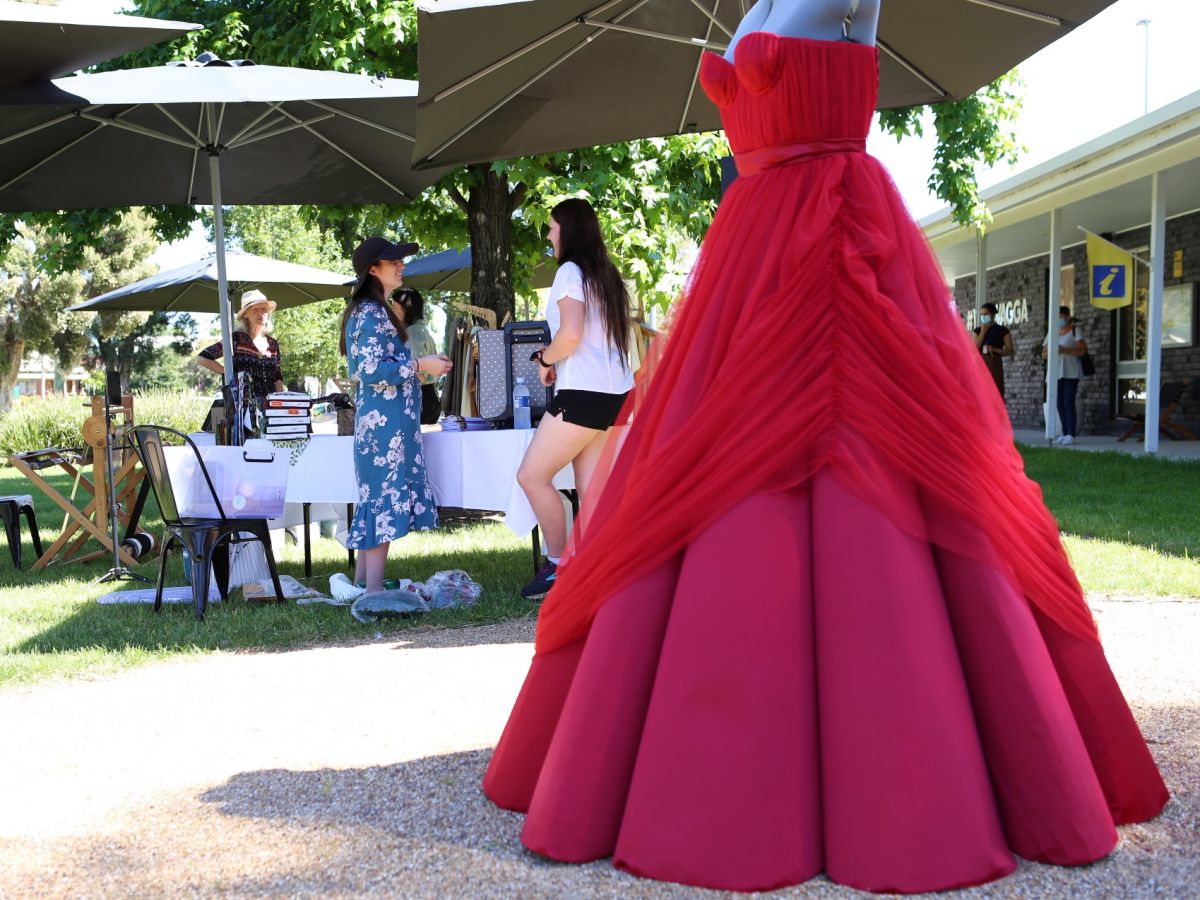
column 1053, row 293
column 1158, row 242
column 980, row 272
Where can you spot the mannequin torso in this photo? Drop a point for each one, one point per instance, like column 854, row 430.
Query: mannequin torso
column 822, row 20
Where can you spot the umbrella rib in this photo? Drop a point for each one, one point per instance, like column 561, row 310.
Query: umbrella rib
column 358, row 162
column 361, row 121
column 216, row 139
column 272, row 108
column 36, row 128
column 283, row 129
column 537, row 75
column 166, row 112
column 517, row 54
column 687, row 105
column 438, row 286
column 1018, row 11
column 712, row 17
column 298, row 289
column 137, row 129
column 41, row 162
column 645, row 32
column 925, row 79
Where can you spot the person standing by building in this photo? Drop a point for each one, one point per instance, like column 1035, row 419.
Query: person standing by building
column 994, row 342
column 1070, row 348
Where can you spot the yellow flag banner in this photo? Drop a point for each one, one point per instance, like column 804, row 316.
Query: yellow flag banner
column 1111, row 273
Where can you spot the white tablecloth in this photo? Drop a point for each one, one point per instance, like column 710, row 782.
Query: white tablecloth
column 470, row 470
column 478, row 470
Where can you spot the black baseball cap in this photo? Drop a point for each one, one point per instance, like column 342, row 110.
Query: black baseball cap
column 371, row 251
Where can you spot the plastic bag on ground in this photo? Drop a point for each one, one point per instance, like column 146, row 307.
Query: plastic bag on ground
column 397, row 604
column 448, row 590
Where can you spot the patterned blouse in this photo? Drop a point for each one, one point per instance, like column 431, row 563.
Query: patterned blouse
column 263, row 367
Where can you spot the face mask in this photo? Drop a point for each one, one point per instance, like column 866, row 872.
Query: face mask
column 986, row 320
column 1062, row 323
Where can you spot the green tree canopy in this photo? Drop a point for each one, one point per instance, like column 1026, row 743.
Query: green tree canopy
column 33, row 302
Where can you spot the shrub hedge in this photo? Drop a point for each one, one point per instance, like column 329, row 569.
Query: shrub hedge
column 57, row 421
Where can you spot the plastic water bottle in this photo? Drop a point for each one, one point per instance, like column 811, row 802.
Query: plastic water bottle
column 521, row 411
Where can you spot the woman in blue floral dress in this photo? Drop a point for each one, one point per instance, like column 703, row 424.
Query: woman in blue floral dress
column 394, row 496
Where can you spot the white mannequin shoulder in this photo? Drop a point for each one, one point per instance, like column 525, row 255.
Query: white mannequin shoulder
column 822, row 20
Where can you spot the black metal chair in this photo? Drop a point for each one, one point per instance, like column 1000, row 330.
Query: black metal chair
column 11, row 510
column 207, row 540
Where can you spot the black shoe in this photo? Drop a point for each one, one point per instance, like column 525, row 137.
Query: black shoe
column 542, row 582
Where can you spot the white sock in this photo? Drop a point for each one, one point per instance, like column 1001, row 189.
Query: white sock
column 553, row 559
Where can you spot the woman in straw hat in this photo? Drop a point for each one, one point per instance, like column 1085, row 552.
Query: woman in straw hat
column 254, row 350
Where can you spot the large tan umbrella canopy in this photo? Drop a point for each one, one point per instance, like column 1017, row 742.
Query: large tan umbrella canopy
column 522, row 77
column 42, row 42
column 208, row 132
column 450, row 270
column 194, row 287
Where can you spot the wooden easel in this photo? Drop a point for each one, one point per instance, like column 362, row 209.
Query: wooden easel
column 91, row 521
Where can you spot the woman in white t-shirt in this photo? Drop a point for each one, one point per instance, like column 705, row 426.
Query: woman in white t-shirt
column 587, row 361
column 1070, row 348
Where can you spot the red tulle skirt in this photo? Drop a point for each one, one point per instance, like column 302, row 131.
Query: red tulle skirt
column 806, row 689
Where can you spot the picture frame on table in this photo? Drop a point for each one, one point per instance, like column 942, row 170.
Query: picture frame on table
column 1179, row 316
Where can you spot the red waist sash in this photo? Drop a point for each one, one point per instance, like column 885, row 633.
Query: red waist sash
column 777, row 155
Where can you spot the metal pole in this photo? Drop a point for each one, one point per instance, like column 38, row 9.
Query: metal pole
column 980, row 272
column 1053, row 293
column 214, row 174
column 1158, row 230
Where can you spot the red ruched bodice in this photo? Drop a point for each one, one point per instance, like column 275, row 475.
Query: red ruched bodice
column 836, row 104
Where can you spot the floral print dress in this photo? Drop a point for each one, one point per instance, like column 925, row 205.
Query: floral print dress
column 394, row 496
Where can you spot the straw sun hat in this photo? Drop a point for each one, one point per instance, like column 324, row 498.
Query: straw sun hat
column 251, row 299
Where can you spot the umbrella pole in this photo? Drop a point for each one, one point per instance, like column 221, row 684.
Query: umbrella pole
column 214, row 172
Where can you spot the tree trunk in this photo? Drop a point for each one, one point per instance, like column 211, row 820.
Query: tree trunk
column 489, row 209
column 11, row 354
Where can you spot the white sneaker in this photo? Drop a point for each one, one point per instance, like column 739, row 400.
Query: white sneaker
column 1066, row 440
column 1058, row 440
column 342, row 588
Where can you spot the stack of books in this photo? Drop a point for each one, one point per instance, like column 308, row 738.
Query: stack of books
column 288, row 416
column 464, row 423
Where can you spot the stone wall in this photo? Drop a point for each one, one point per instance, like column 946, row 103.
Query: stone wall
column 1024, row 284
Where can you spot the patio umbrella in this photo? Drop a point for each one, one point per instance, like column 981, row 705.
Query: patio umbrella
column 450, row 270
column 507, row 78
column 194, row 287
column 41, row 42
column 208, row 132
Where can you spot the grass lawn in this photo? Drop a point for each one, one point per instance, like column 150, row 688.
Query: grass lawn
column 1129, row 524
column 50, row 624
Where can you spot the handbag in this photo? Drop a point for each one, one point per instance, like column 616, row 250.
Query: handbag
column 1087, row 365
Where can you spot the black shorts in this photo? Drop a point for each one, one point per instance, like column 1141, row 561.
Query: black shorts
column 588, row 409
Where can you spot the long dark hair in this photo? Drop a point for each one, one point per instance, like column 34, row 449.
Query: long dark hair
column 413, row 304
column 372, row 289
column 580, row 242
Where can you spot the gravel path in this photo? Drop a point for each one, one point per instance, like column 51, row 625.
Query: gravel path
column 351, row 771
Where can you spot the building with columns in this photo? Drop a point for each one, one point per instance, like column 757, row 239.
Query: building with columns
column 1138, row 186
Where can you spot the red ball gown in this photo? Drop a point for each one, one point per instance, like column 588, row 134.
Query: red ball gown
column 819, row 620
